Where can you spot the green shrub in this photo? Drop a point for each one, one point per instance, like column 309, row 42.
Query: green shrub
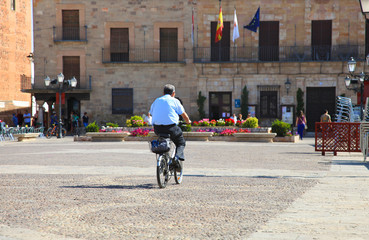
column 251, row 122
column 280, row 128
column 136, row 121
column 114, row 125
column 92, row 127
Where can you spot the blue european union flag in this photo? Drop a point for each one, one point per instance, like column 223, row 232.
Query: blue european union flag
column 255, row 22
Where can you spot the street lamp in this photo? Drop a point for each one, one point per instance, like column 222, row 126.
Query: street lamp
column 356, row 81
column 364, row 5
column 62, row 86
column 287, row 84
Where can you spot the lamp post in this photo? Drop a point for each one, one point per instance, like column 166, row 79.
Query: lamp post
column 356, row 81
column 62, row 86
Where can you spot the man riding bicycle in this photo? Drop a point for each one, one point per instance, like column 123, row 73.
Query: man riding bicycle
column 165, row 112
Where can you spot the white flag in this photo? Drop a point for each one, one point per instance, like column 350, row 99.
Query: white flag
column 236, row 33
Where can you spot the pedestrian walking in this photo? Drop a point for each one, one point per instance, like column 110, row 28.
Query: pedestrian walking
column 301, row 124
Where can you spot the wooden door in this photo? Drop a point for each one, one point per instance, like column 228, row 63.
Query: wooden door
column 317, row 100
column 220, row 105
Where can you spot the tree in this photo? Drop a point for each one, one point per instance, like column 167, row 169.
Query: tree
column 200, row 104
column 300, row 101
column 245, row 102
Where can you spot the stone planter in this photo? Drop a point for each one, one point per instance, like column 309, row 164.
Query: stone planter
column 26, row 136
column 107, row 136
column 286, row 139
column 222, row 138
column 222, row 128
column 197, row 136
column 254, row 137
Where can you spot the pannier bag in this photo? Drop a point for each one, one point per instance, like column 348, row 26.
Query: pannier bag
column 160, row 145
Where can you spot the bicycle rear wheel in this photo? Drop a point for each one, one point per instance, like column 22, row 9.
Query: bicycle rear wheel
column 162, row 171
column 49, row 133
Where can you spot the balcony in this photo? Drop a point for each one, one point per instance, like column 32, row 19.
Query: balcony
column 279, row 54
column 37, row 85
column 143, row 55
column 70, row 34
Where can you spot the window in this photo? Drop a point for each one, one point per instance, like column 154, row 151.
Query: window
column 268, row 104
column 168, row 44
column 321, row 39
column 119, row 44
column 71, row 68
column 269, row 41
column 12, row 5
column 122, row 101
column 220, row 50
column 70, row 23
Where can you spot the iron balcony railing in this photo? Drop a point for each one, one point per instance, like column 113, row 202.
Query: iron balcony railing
column 38, row 83
column 143, row 55
column 279, row 53
column 73, row 34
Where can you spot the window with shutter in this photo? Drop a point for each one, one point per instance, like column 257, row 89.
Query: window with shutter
column 119, row 44
column 71, row 68
column 122, row 101
column 321, row 39
column 70, row 22
column 168, row 44
column 220, row 51
column 269, row 41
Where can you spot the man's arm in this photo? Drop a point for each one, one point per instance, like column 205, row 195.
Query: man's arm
column 186, row 118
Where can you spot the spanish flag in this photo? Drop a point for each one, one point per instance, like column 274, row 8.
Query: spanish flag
column 219, row 32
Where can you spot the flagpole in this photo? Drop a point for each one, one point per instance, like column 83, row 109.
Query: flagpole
column 220, row 52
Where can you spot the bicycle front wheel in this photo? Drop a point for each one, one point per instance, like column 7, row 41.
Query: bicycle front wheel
column 64, row 132
column 178, row 175
column 49, row 133
column 162, row 171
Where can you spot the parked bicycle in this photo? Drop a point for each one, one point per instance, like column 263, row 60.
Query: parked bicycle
column 54, row 131
column 166, row 165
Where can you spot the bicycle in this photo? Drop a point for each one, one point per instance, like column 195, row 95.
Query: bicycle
column 165, row 166
column 54, row 131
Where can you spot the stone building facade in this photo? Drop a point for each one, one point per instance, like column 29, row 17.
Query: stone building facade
column 125, row 51
column 15, row 46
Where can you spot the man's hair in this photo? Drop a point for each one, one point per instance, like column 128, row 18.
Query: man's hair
column 169, row 89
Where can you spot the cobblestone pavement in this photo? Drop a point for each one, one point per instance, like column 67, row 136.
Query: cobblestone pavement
column 60, row 189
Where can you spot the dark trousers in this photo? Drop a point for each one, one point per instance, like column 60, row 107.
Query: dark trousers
column 176, row 136
column 300, row 130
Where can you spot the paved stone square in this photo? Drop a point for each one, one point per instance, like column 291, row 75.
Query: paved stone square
column 60, row 189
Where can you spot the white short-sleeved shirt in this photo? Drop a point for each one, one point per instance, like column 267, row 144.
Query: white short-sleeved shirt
column 165, row 110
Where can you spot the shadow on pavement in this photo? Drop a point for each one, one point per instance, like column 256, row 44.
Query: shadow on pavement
column 351, row 163
column 142, row 186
